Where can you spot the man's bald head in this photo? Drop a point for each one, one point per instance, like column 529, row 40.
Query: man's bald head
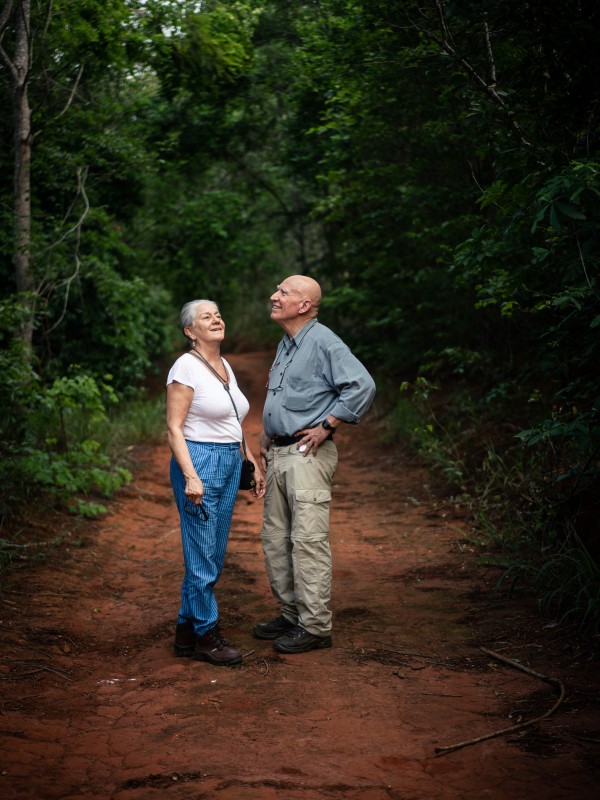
column 307, row 288
column 295, row 302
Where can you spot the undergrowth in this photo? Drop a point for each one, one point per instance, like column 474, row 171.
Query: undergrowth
column 529, row 515
column 76, row 456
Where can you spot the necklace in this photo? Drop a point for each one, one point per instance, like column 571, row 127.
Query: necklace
column 211, row 368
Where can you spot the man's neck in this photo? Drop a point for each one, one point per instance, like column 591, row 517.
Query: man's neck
column 294, row 326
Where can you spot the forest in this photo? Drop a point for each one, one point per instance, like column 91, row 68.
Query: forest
column 434, row 165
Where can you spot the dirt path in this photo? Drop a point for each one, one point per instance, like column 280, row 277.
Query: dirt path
column 95, row 705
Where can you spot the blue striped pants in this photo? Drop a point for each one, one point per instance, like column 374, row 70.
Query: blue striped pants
column 204, row 541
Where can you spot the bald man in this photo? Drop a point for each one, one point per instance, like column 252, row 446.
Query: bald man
column 315, row 385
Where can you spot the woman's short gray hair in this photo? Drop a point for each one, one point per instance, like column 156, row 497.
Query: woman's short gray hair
column 188, row 313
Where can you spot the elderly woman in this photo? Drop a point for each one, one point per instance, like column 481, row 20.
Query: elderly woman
column 205, row 410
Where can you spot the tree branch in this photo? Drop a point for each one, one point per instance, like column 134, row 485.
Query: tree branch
column 554, row 681
column 81, row 178
column 72, row 93
column 262, row 182
column 444, row 42
column 490, row 52
column 5, row 16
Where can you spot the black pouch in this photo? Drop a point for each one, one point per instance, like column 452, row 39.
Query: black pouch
column 247, row 475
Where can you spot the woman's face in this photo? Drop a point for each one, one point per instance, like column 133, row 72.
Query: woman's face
column 208, row 325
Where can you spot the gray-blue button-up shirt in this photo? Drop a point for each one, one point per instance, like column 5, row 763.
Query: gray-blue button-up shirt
column 314, row 375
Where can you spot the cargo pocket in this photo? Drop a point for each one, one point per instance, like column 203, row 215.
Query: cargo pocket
column 311, row 514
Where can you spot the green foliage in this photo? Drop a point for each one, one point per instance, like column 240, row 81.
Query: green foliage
column 77, row 444
column 417, row 421
column 567, row 580
column 569, row 583
column 123, row 321
column 80, row 470
column 139, row 420
column 57, row 453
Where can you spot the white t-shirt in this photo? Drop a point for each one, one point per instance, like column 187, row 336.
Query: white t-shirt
column 211, row 417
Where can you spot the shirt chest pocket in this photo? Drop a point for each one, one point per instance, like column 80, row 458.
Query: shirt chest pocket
column 299, row 393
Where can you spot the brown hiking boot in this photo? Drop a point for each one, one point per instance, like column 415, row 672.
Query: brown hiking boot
column 215, row 648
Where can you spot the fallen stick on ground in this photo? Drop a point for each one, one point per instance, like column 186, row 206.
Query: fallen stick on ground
column 554, row 681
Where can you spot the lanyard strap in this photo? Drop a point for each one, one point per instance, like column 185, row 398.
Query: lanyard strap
column 225, row 385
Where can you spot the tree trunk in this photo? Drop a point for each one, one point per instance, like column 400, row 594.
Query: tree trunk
column 18, row 67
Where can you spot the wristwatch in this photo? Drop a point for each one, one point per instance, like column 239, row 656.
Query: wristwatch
column 327, row 425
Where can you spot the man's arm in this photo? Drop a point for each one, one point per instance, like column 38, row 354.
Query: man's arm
column 355, row 387
column 356, row 391
column 264, row 445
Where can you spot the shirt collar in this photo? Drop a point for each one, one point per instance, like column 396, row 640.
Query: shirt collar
column 297, row 339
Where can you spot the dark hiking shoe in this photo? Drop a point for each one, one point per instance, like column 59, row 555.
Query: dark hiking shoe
column 299, row 640
column 272, row 629
column 185, row 638
column 216, row 649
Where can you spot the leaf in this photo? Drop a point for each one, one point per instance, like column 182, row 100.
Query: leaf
column 539, row 254
column 538, row 218
column 554, row 221
column 570, row 210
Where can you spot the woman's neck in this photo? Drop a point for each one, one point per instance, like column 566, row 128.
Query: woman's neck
column 212, row 353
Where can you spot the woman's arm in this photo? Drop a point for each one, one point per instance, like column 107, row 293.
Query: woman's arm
column 179, row 399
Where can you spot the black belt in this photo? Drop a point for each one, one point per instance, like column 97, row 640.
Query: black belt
column 285, row 441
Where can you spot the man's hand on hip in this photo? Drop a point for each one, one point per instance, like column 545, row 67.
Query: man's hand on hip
column 311, row 439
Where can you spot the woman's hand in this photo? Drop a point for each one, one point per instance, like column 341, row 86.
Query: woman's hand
column 260, row 485
column 194, row 489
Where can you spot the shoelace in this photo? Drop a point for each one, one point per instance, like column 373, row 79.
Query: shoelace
column 219, row 640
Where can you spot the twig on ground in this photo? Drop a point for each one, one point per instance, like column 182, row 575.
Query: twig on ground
column 266, row 663
column 15, row 701
column 404, row 652
column 553, row 681
column 25, row 545
column 257, row 658
column 41, row 668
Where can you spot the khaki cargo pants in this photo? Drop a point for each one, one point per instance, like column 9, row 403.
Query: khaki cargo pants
column 295, row 534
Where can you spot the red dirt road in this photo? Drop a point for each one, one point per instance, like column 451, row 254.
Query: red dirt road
column 95, row 705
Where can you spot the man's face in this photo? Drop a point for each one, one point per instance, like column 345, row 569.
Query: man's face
column 286, row 302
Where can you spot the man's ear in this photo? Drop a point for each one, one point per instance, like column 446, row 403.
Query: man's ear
column 305, row 306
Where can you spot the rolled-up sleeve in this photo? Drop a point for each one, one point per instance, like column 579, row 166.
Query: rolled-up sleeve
column 354, row 385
